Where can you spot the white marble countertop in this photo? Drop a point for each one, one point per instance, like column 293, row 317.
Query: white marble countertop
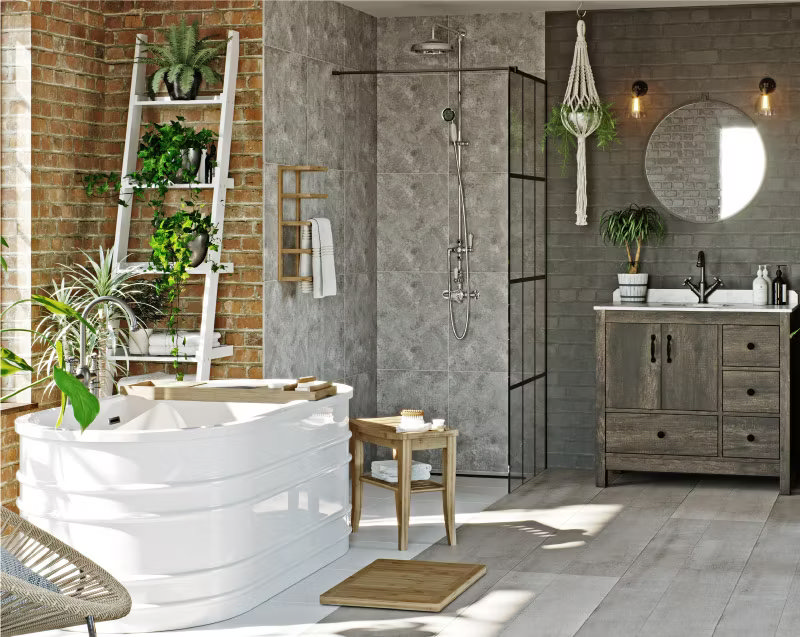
column 684, row 300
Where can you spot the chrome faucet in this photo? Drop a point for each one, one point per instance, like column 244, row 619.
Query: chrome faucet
column 87, row 375
column 701, row 291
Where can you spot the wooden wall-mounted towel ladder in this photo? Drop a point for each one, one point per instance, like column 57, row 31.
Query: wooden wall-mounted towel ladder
column 298, row 195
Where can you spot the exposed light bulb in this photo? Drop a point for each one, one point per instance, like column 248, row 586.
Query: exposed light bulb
column 764, row 106
column 636, row 109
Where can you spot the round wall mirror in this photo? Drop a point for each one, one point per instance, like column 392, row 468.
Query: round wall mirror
column 705, row 161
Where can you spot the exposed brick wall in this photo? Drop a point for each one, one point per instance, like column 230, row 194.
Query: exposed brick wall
column 239, row 298
column 680, row 53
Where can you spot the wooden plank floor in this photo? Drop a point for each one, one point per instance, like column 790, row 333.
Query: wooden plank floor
column 653, row 555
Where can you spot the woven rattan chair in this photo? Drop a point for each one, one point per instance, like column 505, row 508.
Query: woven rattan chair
column 88, row 593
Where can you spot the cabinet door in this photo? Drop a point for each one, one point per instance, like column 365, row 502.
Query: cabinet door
column 633, row 365
column 689, row 367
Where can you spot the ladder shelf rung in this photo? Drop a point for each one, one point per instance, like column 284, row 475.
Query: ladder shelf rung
column 296, row 223
column 228, row 184
column 296, row 279
column 296, row 250
column 303, row 195
column 204, row 268
column 163, row 100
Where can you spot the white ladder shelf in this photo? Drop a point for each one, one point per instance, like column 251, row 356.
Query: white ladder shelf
column 138, row 100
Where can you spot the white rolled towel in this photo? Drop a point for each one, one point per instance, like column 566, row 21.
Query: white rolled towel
column 163, row 339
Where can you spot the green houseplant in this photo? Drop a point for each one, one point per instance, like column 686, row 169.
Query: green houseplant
column 565, row 142
column 183, row 62
column 82, row 284
column 631, row 227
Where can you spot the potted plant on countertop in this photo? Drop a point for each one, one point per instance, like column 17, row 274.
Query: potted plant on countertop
column 631, row 227
column 183, row 62
column 565, row 142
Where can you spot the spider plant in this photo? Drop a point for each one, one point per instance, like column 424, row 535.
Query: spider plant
column 182, row 61
column 82, row 285
column 632, row 226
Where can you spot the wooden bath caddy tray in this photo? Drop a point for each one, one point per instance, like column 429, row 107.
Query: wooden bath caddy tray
column 200, row 392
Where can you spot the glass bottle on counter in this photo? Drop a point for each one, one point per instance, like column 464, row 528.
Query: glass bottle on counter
column 779, row 289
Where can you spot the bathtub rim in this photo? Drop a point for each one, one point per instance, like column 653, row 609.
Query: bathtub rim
column 30, row 425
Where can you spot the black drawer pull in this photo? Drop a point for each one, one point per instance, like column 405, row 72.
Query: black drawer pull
column 750, row 437
column 751, row 392
column 652, row 348
column 669, row 348
column 751, row 346
column 661, row 434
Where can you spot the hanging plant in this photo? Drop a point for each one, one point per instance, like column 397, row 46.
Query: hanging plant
column 173, row 254
column 566, row 143
column 581, row 113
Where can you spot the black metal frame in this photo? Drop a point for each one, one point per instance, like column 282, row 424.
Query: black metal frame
column 521, row 280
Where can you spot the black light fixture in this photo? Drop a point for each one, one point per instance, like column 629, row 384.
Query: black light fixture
column 764, row 104
column 638, row 89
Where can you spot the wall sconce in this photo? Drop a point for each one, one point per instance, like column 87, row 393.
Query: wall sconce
column 638, row 89
column 764, row 104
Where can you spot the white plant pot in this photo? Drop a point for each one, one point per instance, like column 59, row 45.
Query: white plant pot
column 632, row 288
column 139, row 342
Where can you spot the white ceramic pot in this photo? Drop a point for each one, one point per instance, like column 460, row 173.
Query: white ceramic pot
column 632, row 288
column 139, row 342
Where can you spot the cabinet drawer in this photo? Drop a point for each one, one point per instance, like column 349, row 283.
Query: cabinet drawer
column 751, row 346
column 751, row 391
column 670, row 434
column 750, row 437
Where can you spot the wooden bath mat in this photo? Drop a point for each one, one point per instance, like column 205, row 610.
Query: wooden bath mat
column 405, row 585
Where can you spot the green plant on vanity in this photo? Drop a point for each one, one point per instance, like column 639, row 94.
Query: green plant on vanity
column 565, row 142
column 632, row 226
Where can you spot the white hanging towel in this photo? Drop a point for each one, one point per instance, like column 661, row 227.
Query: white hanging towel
column 322, row 267
column 306, row 287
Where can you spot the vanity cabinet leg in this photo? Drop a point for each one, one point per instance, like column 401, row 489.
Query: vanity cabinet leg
column 601, row 475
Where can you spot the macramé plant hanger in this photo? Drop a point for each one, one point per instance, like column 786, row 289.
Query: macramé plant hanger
column 581, row 113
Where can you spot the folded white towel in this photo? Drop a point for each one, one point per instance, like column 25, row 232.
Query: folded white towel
column 416, row 474
column 389, row 467
column 323, row 270
column 306, row 287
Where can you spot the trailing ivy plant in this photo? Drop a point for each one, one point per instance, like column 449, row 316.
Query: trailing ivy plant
column 161, row 151
column 565, row 142
column 171, row 258
column 632, row 225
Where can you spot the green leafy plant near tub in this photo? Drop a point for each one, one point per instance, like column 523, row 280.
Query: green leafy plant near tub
column 182, row 62
column 565, row 142
column 632, row 227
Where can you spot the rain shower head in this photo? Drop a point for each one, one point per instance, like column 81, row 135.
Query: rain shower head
column 435, row 46
column 432, row 47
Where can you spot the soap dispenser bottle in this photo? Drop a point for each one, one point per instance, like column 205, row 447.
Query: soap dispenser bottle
column 760, row 288
column 778, row 288
column 768, row 279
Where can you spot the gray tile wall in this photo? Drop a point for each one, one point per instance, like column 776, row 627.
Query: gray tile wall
column 420, row 363
column 311, row 117
column 680, row 53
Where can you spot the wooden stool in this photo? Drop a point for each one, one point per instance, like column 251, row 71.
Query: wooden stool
column 381, row 431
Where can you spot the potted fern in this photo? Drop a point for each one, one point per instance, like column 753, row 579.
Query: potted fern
column 632, row 227
column 183, row 62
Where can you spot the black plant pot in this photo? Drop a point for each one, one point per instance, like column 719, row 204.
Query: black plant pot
column 176, row 93
column 199, row 248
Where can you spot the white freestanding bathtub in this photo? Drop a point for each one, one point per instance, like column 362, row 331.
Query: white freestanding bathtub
column 202, row 510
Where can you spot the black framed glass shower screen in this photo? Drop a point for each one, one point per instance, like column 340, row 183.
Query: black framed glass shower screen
column 527, row 277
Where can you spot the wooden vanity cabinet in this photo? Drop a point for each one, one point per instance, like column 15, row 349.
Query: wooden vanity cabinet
column 694, row 391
